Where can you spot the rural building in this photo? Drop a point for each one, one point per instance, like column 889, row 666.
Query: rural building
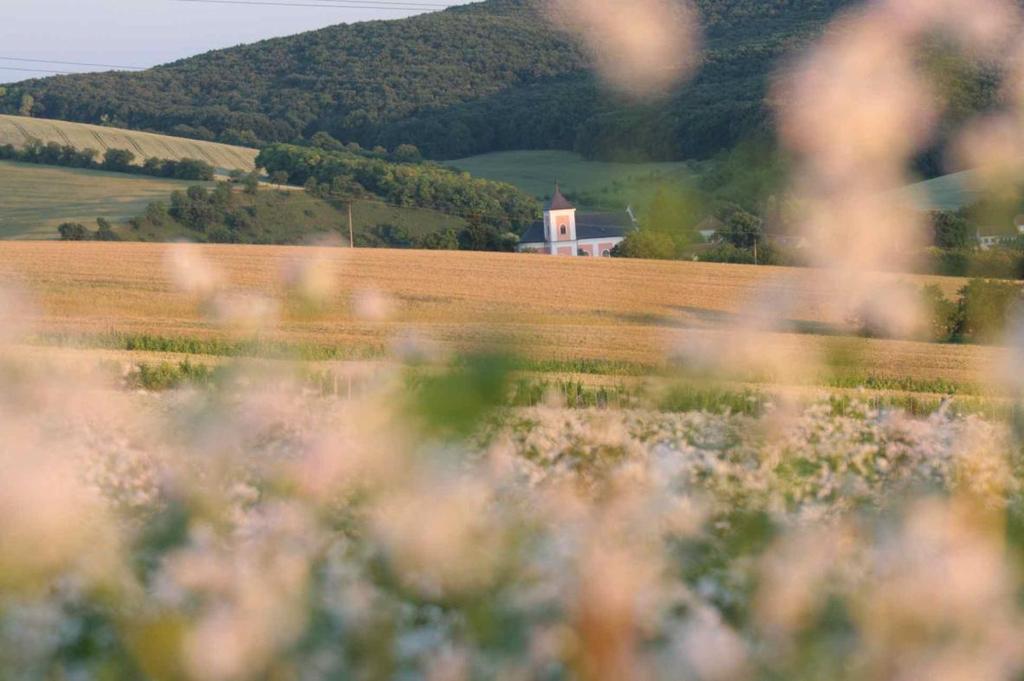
column 563, row 231
column 990, row 241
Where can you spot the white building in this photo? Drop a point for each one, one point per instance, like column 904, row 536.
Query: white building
column 566, row 232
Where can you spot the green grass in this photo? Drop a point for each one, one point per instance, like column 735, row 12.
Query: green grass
column 295, row 217
column 35, row 199
column 317, row 352
column 417, row 222
column 536, row 172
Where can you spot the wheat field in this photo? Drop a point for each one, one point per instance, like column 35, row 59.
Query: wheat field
column 551, row 308
column 21, row 130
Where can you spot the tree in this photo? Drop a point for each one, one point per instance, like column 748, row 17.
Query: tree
column 105, row 231
column 477, row 236
column 407, row 153
column 194, row 208
column 322, row 140
column 646, row 243
column 193, row 169
column 27, row 104
column 742, row 229
column 251, row 183
column 73, row 231
column 951, row 229
column 153, row 166
column 984, row 308
column 119, row 160
column 279, row 177
column 447, row 240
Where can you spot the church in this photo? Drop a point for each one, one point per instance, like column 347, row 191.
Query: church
column 564, row 232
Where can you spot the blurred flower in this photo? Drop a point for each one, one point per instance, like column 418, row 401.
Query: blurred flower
column 642, row 48
column 191, row 271
column 372, row 305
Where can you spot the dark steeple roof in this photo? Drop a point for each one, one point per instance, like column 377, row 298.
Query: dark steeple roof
column 558, row 202
column 588, row 226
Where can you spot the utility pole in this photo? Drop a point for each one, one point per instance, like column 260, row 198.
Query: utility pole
column 351, row 232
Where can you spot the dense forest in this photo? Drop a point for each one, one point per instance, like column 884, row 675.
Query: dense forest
column 483, row 77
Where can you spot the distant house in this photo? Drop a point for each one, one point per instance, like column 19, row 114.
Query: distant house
column 564, row 231
column 988, row 241
column 709, row 229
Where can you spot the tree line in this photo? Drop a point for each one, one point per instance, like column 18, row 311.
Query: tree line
column 346, row 175
column 114, row 160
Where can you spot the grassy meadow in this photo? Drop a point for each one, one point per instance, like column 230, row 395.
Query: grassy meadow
column 20, row 130
column 536, row 172
column 36, row 199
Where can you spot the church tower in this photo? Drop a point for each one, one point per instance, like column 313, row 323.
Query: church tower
column 559, row 219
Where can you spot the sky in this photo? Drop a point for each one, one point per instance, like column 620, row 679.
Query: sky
column 148, row 32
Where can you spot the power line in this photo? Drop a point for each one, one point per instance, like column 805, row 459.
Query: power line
column 53, row 71
column 70, row 63
column 414, row 3
column 366, row 4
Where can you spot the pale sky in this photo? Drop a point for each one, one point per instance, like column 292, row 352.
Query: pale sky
column 150, row 32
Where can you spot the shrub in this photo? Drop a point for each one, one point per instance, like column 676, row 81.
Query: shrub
column 73, row 231
column 646, row 243
column 118, row 160
column 984, row 309
column 105, row 231
column 939, row 313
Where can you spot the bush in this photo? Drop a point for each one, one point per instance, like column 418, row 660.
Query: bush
column 939, row 313
column 73, row 231
column 119, row 160
column 447, row 240
column 646, row 243
column 984, row 309
column 105, row 231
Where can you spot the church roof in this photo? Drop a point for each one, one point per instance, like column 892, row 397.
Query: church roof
column 588, row 226
column 558, row 202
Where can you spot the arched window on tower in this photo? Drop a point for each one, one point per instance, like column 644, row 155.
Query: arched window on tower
column 562, row 231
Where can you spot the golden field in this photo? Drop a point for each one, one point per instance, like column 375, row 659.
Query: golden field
column 640, row 312
column 20, row 130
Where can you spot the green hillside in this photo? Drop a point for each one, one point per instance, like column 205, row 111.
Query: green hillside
column 289, row 216
column 535, row 172
column 35, row 199
column 484, row 77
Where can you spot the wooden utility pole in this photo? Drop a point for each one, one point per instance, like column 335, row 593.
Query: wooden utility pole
column 351, row 231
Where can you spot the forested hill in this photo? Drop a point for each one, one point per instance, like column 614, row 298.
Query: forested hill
column 483, row 77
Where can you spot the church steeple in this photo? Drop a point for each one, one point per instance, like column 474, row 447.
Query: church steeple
column 559, row 218
column 559, row 202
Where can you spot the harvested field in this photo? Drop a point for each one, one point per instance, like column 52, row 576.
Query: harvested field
column 20, row 131
column 560, row 309
column 36, row 198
